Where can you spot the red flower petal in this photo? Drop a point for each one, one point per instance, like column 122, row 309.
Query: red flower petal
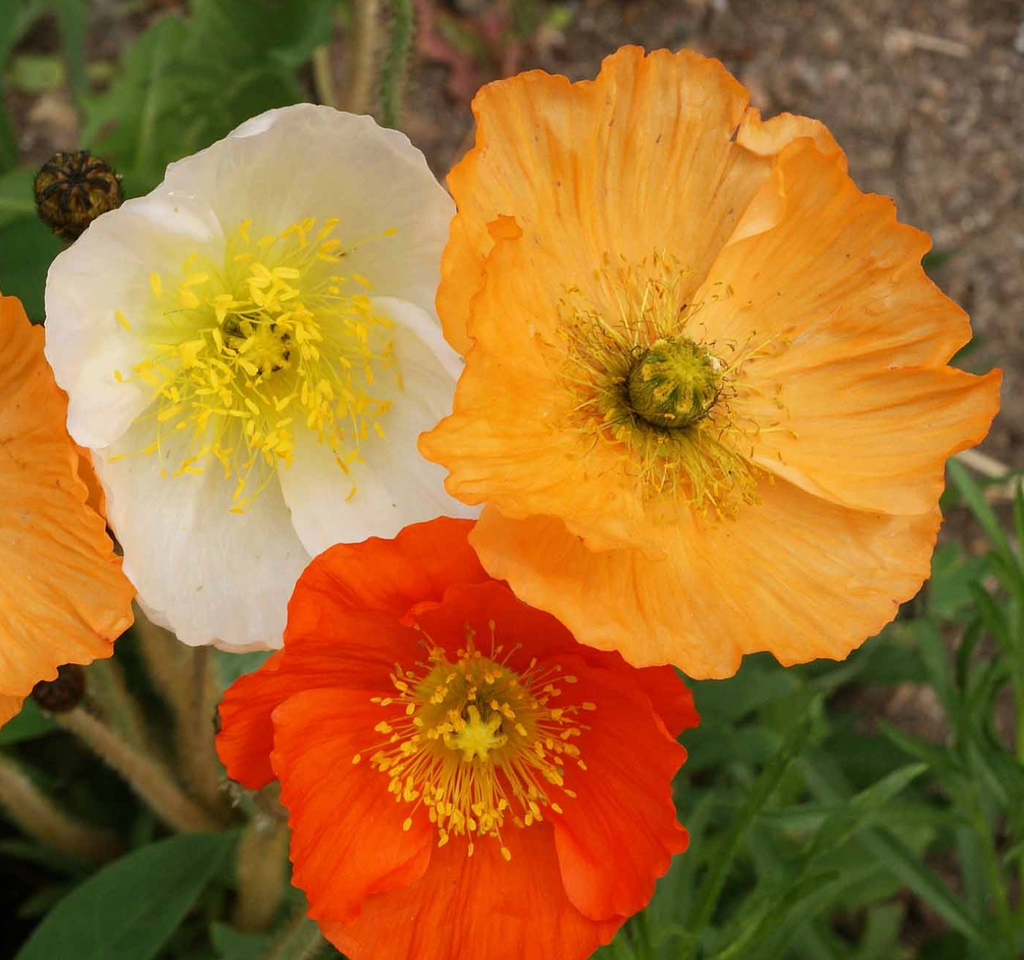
column 623, row 813
column 479, row 906
column 347, row 836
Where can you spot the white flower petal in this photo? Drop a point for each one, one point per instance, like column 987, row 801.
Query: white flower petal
column 210, row 575
column 108, row 270
column 314, row 161
column 395, row 485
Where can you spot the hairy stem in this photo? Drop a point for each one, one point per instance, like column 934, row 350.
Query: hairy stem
column 260, row 872
column 148, row 778
column 392, row 71
column 363, row 55
column 41, row 818
column 300, row 940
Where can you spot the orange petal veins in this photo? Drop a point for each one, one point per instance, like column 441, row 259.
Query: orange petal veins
column 633, row 825
column 572, row 163
column 63, row 598
column 347, row 837
column 795, row 575
column 478, row 906
column 861, row 407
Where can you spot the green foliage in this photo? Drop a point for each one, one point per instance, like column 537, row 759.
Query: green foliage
column 186, row 83
column 132, row 907
column 812, row 829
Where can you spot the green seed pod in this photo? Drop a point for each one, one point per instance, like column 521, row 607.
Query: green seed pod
column 674, row 383
column 72, row 190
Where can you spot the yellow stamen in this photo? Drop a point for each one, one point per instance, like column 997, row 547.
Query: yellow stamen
column 265, row 329
column 453, row 753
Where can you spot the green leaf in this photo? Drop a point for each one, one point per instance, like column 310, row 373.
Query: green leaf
column 28, row 249
column 756, row 683
column 899, row 860
column 861, row 810
column 133, row 906
column 33, row 74
column 232, row 944
column 73, row 20
column 8, row 142
column 13, row 28
column 949, row 585
column 26, row 725
column 757, row 797
column 980, row 507
column 17, row 200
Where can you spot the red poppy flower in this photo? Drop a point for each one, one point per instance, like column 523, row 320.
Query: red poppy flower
column 462, row 778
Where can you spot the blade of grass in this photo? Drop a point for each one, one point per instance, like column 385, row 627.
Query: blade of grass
column 759, row 793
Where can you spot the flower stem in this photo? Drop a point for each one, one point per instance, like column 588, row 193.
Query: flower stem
column 300, row 940
column 148, row 778
column 40, row 817
column 392, row 71
column 260, row 872
column 323, row 76
column 108, row 689
column 364, row 53
column 197, row 755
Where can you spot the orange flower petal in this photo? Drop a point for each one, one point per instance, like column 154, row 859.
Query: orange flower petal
column 478, row 906
column 347, row 838
column 633, row 825
column 866, row 414
column 510, row 446
column 796, row 575
column 871, row 438
column 572, row 162
column 63, row 596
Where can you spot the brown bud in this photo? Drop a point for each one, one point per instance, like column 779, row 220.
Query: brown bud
column 64, row 693
column 73, row 189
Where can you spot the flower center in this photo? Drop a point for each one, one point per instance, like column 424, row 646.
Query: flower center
column 644, row 380
column 273, row 340
column 475, row 744
column 674, row 383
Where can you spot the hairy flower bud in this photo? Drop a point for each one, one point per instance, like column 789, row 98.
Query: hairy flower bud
column 64, row 693
column 73, row 189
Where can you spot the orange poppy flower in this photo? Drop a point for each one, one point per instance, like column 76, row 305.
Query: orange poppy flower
column 458, row 771
column 63, row 598
column 706, row 398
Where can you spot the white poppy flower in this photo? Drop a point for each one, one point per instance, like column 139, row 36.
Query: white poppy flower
column 251, row 352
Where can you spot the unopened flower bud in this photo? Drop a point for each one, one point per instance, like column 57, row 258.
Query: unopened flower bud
column 64, row 693
column 73, row 189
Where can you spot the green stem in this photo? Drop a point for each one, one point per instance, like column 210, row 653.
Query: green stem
column 392, row 71
column 197, row 755
column 41, row 818
column 300, row 940
column 363, row 55
column 108, row 689
column 323, row 76
column 148, row 778
column 260, row 872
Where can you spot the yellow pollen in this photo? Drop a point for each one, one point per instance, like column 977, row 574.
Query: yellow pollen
column 234, row 344
column 644, row 377
column 454, row 755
